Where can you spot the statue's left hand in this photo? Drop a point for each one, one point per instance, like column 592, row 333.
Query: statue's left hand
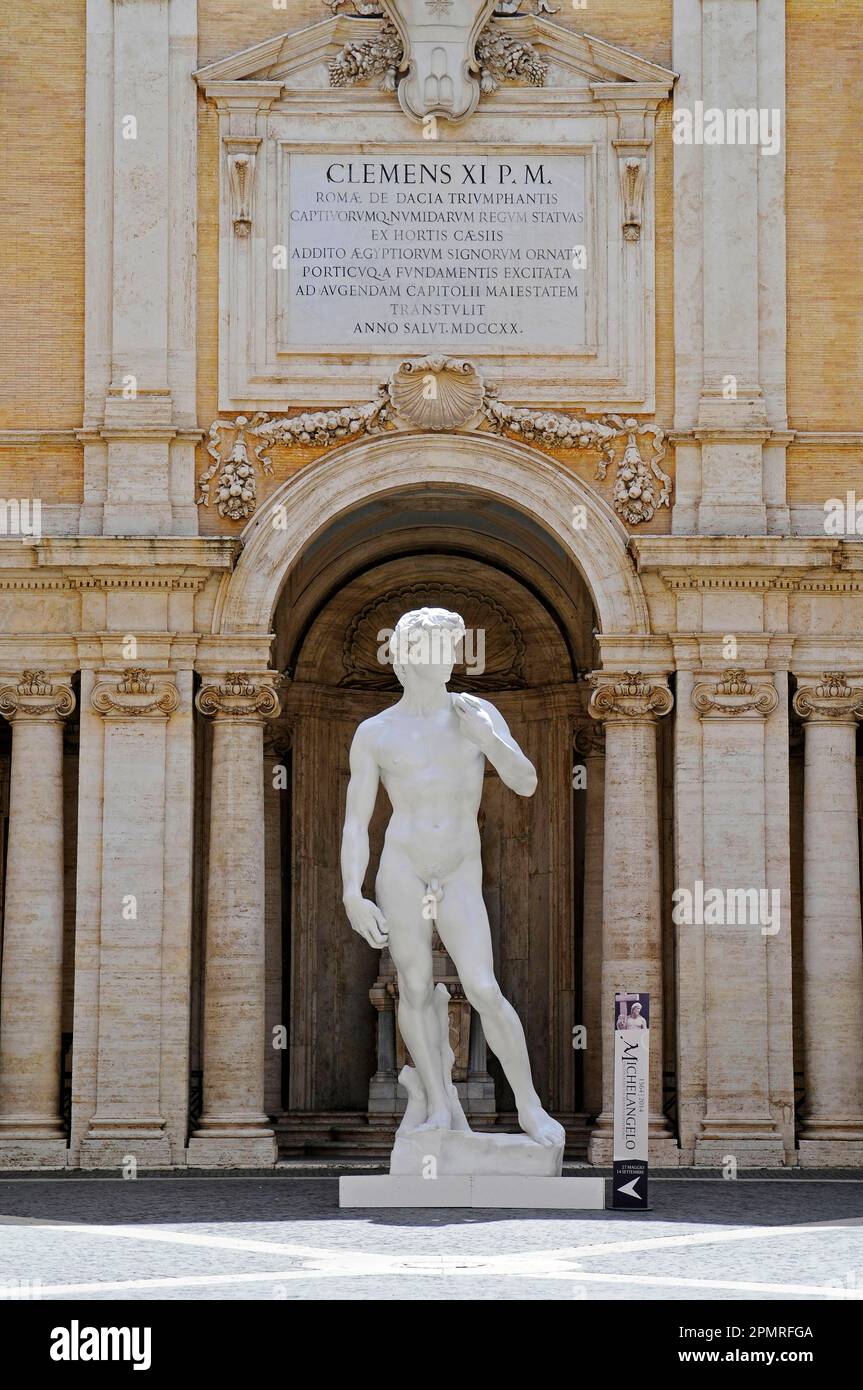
column 474, row 721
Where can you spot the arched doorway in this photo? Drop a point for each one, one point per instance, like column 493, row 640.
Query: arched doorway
column 395, row 525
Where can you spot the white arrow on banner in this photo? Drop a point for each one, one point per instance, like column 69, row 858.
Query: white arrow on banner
column 629, row 1188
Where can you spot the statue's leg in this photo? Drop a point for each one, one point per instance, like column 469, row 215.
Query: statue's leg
column 463, row 927
column 399, row 894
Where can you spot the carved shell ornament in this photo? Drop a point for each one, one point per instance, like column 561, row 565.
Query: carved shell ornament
column 498, row 665
column 439, row 394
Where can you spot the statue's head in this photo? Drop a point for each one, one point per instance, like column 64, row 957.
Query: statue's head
column 424, row 645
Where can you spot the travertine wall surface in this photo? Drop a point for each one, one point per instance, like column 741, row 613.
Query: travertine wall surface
column 42, row 232
column 730, row 621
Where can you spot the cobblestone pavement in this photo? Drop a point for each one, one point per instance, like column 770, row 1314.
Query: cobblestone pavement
column 282, row 1236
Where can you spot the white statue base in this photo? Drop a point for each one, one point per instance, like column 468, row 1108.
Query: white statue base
column 455, row 1153
column 460, row 1168
column 513, row 1192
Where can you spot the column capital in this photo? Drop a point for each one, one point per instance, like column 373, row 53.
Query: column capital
column 36, row 697
column 628, row 695
column 588, row 739
column 733, row 693
column 134, row 694
column 239, row 695
column 278, row 739
column 831, row 700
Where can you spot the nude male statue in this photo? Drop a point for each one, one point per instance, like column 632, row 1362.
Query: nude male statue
column 429, row 750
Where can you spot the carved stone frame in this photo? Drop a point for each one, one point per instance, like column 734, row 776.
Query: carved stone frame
column 598, row 101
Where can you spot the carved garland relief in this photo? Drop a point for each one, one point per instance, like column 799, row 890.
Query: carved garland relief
column 437, row 394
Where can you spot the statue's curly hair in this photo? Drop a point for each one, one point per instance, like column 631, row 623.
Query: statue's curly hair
column 412, row 626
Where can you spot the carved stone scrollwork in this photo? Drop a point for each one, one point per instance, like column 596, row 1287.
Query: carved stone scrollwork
column 832, row 699
column 279, row 738
column 632, row 178
column 135, row 694
column 734, row 694
column 36, row 697
column 437, row 394
column 240, row 696
column 241, row 174
column 380, row 54
column 504, row 58
column 588, row 740
column 440, row 70
column 630, row 695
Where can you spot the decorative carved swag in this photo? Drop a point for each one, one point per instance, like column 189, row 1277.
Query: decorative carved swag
column 241, row 696
column 437, row 394
column 630, row 695
column 733, row 694
column 831, row 700
column 134, row 695
column 36, row 697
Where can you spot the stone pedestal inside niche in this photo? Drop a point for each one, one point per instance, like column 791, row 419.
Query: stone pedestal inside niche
column 387, row 1099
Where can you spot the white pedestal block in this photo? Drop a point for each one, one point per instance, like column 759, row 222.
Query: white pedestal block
column 459, row 1153
column 513, row 1192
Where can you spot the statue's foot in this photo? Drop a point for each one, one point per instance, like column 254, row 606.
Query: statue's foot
column 438, row 1119
column 541, row 1127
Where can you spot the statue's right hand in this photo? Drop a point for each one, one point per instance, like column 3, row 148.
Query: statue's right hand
column 368, row 921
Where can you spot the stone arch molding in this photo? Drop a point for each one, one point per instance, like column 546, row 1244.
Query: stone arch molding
column 351, row 476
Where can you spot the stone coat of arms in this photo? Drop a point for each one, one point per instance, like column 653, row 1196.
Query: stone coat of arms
column 439, row 38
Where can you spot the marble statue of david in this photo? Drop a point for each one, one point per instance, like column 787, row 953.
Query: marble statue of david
column 429, row 750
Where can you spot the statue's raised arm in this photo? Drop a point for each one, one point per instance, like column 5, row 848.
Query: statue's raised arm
column 486, row 727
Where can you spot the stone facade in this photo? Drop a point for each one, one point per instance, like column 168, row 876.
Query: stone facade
column 208, row 519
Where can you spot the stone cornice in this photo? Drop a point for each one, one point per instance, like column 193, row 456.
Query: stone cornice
column 112, row 563
column 697, row 554
column 289, row 52
column 26, row 439
column 784, row 564
column 102, row 583
column 800, row 584
column 135, row 695
column 628, row 695
column 843, row 439
column 36, row 697
column 123, row 553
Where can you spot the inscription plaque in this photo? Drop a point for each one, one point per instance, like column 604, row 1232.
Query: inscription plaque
column 401, row 251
